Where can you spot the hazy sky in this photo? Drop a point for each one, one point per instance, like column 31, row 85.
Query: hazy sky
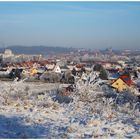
column 76, row 24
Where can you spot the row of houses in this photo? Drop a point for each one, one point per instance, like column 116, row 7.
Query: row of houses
column 117, row 78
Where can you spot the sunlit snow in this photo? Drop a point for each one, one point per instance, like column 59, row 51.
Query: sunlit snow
column 36, row 110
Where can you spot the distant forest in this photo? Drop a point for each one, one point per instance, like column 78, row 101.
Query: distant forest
column 44, row 50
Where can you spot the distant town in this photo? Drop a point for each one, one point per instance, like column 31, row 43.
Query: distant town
column 120, row 69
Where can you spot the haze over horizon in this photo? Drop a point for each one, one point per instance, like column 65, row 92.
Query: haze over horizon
column 71, row 24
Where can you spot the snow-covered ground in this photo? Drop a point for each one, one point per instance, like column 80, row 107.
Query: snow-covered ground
column 34, row 110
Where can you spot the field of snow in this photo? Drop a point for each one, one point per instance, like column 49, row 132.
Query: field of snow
column 35, row 110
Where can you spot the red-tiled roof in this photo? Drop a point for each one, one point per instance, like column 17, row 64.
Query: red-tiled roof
column 80, row 65
column 127, row 79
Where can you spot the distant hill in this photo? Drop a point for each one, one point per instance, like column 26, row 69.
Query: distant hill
column 44, row 50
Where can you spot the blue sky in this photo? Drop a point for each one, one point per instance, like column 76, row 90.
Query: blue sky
column 71, row 24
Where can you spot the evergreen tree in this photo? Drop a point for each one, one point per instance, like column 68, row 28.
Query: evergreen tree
column 103, row 74
column 98, row 67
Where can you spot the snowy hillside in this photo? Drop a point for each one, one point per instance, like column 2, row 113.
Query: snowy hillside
column 33, row 110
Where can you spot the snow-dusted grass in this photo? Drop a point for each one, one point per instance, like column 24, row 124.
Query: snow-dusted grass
column 33, row 110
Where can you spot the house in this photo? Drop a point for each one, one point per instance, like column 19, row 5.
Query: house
column 57, row 69
column 113, row 76
column 33, row 71
column 71, row 66
column 122, row 63
column 119, row 85
column 50, row 66
column 107, row 65
column 88, row 67
column 123, row 82
column 127, row 79
column 79, row 67
column 64, row 68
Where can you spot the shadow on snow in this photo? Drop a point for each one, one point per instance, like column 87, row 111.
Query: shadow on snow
column 13, row 127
